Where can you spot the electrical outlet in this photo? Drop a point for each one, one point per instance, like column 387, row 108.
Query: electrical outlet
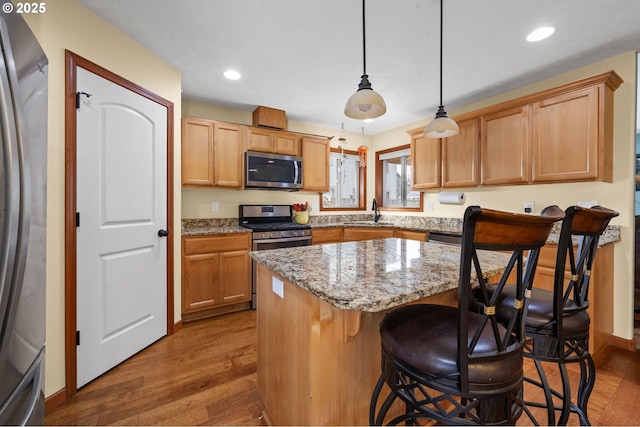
column 428, row 206
column 528, row 207
column 214, row 206
column 277, row 286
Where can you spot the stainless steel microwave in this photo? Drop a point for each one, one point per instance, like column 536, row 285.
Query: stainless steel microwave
column 272, row 171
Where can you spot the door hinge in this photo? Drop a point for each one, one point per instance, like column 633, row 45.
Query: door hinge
column 78, row 98
column 77, row 337
column 77, row 219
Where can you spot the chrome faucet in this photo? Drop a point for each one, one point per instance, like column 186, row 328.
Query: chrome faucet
column 376, row 211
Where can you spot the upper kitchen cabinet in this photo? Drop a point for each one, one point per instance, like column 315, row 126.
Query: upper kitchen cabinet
column 197, row 151
column 211, row 153
column 563, row 134
column 448, row 162
column 572, row 136
column 272, row 141
column 505, row 147
column 461, row 156
column 315, row 163
column 228, row 146
column 286, row 143
column 426, row 159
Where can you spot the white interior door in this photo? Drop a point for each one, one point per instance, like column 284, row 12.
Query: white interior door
column 121, row 201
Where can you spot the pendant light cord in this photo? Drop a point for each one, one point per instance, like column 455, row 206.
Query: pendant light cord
column 364, row 43
column 441, row 13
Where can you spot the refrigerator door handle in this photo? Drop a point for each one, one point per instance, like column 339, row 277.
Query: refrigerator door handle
column 11, row 199
column 33, row 376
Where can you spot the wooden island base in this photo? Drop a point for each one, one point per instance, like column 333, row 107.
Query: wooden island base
column 317, row 364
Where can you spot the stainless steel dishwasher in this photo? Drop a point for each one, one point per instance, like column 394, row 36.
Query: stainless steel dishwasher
column 445, row 238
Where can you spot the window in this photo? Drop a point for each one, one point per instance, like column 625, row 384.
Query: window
column 346, row 182
column 393, row 180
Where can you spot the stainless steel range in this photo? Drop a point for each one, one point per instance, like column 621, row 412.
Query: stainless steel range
column 273, row 228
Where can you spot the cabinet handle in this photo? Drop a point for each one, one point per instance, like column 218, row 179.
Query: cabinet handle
column 163, row 233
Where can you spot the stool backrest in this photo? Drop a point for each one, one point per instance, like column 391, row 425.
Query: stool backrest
column 510, row 233
column 581, row 227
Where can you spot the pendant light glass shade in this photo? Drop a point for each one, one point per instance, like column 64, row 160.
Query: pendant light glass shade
column 365, row 103
column 441, row 126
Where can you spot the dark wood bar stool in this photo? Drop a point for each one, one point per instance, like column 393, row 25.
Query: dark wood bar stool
column 453, row 365
column 557, row 324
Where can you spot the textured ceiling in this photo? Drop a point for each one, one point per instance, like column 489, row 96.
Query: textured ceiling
column 305, row 56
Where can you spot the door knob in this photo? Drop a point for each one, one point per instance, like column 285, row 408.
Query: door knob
column 163, row 233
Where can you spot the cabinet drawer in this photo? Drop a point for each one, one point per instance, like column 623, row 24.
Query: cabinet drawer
column 209, row 244
column 410, row 234
column 353, row 234
column 326, row 235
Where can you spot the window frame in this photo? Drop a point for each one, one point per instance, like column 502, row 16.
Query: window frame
column 362, row 190
column 379, row 183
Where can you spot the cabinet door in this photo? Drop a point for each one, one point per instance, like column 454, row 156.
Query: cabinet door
column 315, row 164
column 411, row 235
column 235, row 277
column 286, row 143
column 259, row 139
column 228, row 148
column 351, row 234
column 565, row 137
column 197, row 151
column 506, row 146
column 426, row 161
column 326, row 235
column 460, row 156
column 199, row 282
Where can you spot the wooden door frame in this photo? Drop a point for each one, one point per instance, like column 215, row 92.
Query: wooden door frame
column 72, row 62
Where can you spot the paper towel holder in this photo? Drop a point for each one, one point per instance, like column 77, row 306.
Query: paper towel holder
column 451, row 198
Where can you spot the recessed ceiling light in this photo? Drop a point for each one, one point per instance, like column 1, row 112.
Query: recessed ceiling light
column 368, row 120
column 232, row 75
column 540, row 34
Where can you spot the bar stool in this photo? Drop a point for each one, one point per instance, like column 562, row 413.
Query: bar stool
column 450, row 364
column 557, row 325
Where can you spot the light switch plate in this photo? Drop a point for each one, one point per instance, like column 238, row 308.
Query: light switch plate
column 277, row 287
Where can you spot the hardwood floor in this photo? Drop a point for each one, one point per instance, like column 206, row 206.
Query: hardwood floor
column 205, row 374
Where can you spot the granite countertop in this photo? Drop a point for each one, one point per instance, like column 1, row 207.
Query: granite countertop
column 373, row 275
column 440, row 225
column 200, row 227
column 203, row 227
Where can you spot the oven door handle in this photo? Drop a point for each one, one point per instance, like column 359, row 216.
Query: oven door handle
column 284, row 239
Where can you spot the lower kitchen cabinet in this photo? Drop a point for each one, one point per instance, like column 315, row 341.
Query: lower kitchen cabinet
column 600, row 291
column 326, row 235
column 350, row 234
column 411, row 235
column 216, row 274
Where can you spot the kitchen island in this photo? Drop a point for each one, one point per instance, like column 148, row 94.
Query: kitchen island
column 319, row 309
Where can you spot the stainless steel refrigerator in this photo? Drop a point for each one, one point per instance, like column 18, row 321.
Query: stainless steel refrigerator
column 23, row 179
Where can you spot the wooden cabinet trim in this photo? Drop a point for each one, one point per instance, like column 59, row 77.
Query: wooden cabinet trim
column 610, row 79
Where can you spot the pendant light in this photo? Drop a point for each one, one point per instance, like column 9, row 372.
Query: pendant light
column 365, row 103
column 441, row 126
